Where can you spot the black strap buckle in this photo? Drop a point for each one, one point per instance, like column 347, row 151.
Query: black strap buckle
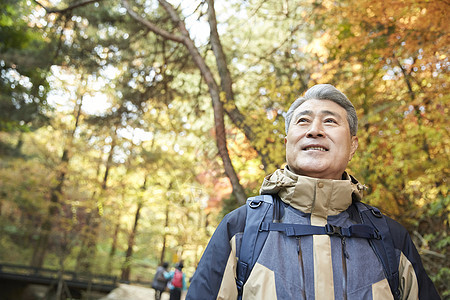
column 239, row 285
column 376, row 235
column 333, row 230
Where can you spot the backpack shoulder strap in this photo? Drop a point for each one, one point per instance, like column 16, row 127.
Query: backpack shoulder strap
column 384, row 247
column 259, row 209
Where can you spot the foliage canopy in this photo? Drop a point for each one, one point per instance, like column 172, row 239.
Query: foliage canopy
column 124, row 125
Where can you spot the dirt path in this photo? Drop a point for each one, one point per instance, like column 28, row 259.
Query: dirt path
column 134, row 292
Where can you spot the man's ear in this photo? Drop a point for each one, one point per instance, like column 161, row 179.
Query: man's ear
column 353, row 147
column 285, row 139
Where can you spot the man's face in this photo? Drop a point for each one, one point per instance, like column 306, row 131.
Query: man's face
column 318, row 143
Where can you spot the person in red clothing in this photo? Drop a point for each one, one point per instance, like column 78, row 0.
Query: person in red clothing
column 177, row 281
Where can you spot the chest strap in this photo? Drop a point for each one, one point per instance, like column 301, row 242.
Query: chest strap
column 297, row 230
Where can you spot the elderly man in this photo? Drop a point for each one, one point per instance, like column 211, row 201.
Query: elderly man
column 312, row 238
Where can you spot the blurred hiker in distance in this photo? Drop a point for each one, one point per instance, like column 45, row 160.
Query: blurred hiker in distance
column 177, row 281
column 159, row 281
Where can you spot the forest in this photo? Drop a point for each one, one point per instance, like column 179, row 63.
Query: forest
column 129, row 128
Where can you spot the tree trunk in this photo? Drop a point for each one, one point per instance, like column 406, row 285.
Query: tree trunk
column 166, row 225
column 89, row 241
column 226, row 82
column 214, row 91
column 112, row 253
column 40, row 251
column 126, row 269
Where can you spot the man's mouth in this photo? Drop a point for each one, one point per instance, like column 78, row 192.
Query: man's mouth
column 317, row 148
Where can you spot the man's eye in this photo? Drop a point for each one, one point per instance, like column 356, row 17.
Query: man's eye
column 330, row 121
column 302, row 120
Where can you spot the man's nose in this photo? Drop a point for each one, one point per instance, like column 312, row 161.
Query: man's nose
column 316, row 129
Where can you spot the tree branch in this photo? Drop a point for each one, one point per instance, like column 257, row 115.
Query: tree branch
column 69, row 8
column 219, row 123
column 152, row 27
column 175, row 18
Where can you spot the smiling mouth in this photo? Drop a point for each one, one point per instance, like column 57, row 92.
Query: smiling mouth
column 315, row 148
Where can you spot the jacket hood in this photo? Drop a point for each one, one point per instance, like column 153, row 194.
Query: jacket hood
column 313, row 195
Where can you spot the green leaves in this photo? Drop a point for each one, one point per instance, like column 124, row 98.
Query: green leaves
column 157, row 127
column 23, row 67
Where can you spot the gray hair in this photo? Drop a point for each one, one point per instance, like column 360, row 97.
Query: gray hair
column 326, row 92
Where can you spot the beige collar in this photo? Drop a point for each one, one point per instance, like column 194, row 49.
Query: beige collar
column 320, row 197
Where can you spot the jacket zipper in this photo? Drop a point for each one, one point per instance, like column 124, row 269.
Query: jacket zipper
column 344, row 266
column 300, row 261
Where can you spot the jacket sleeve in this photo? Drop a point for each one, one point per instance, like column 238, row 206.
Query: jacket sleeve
column 184, row 282
column 168, row 275
column 208, row 277
column 413, row 277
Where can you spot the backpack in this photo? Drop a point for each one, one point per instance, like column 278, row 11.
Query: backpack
column 160, row 276
column 177, row 280
column 371, row 225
